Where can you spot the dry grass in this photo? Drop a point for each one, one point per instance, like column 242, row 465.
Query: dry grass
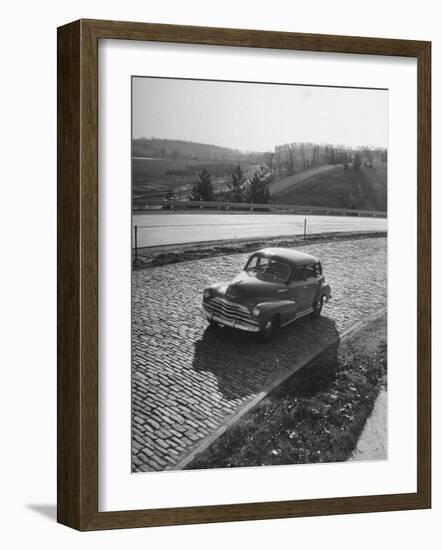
column 363, row 190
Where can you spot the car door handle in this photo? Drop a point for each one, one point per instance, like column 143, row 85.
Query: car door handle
column 283, row 290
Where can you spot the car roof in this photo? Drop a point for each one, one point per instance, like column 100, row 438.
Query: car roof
column 294, row 257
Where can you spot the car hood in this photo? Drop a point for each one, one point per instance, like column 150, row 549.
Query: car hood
column 248, row 290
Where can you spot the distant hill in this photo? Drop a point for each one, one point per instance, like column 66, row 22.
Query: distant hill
column 174, row 148
column 365, row 189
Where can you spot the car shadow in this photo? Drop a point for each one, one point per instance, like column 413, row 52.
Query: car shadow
column 244, row 366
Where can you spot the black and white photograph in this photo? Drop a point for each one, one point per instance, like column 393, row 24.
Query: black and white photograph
column 259, row 274
column 219, row 334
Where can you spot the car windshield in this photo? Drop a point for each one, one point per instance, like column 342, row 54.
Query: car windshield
column 267, row 269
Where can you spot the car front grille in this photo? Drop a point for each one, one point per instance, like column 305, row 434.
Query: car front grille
column 228, row 310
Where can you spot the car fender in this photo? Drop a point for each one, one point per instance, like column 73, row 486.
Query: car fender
column 285, row 308
column 323, row 290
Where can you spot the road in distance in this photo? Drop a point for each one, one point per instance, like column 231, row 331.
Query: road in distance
column 165, row 228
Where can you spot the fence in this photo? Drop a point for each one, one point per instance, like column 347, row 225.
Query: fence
column 247, row 206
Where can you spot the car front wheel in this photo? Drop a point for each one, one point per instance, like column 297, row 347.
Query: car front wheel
column 270, row 328
column 317, row 307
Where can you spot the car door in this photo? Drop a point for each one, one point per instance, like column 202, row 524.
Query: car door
column 303, row 287
column 312, row 281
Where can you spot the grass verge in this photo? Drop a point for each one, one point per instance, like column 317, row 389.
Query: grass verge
column 317, row 415
column 163, row 255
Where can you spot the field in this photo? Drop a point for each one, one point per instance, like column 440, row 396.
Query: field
column 339, row 188
column 157, row 177
column 331, row 186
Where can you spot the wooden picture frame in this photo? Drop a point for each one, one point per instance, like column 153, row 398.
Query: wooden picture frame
column 78, row 274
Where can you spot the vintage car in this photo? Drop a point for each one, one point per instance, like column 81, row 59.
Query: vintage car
column 277, row 286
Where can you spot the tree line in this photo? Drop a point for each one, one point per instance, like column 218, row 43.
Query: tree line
column 240, row 189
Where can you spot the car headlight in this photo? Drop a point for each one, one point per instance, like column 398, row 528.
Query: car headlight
column 206, row 294
column 256, row 311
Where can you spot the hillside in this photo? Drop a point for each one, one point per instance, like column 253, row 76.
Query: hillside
column 158, row 178
column 173, row 148
column 339, row 188
column 288, row 183
column 169, row 168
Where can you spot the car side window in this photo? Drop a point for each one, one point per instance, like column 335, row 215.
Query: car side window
column 252, row 263
column 298, row 274
column 312, row 271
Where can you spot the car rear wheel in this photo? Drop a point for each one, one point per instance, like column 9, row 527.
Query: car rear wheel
column 270, row 328
column 317, row 307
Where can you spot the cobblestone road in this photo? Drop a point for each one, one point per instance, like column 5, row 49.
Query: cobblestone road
column 187, row 379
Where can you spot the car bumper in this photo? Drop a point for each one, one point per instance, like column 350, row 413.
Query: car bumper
column 249, row 326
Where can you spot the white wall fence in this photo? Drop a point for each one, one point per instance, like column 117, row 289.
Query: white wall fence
column 245, row 206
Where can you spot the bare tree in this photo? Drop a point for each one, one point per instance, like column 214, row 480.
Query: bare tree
column 236, row 184
column 357, row 162
column 269, row 158
column 368, row 158
column 290, row 161
column 303, row 160
column 278, row 161
column 315, row 155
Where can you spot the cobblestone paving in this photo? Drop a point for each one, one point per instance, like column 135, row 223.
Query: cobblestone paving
column 188, row 379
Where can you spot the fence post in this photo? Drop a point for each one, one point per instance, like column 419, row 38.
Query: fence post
column 305, row 227
column 136, row 242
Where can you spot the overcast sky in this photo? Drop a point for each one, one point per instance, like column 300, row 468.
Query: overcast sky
column 256, row 117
